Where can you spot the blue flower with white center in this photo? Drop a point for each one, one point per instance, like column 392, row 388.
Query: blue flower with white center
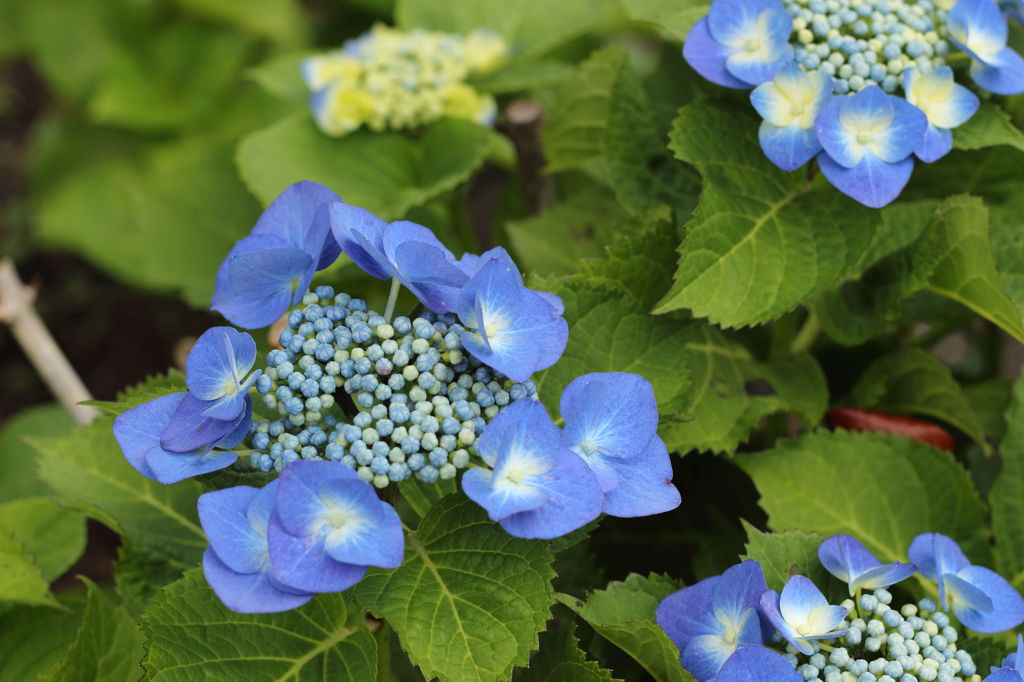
column 215, row 368
column 508, row 326
column 142, row 432
column 850, row 561
column 536, row 488
column 946, row 105
column 328, row 525
column 271, row 269
column 470, row 263
column 740, row 43
column 979, row 28
column 611, row 421
column 757, row 664
column 980, row 598
column 801, row 614
column 789, row 104
column 868, row 140
column 237, row 563
column 1012, row 669
column 713, row 618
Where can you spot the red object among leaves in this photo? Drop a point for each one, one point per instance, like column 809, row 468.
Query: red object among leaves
column 869, row 420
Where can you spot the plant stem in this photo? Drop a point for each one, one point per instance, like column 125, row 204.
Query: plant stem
column 392, row 298
column 808, row 333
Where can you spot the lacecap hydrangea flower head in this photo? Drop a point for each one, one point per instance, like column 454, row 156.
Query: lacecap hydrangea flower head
column 863, row 86
column 732, row 628
column 388, row 79
column 352, row 401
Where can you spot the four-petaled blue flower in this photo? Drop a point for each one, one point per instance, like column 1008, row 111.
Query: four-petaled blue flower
column 328, row 526
column 850, row 561
column 1012, row 669
column 740, row 43
column 802, row 614
column 979, row 28
column 944, row 103
column 868, row 140
column 536, row 488
column 715, row 617
column 237, row 564
column 216, row 368
column 271, row 269
column 611, row 421
column 789, row 105
column 757, row 664
column 980, row 598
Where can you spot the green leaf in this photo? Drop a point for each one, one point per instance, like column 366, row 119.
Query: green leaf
column 35, row 639
column 20, row 579
column 86, row 469
column 191, row 635
column 422, row 496
column 964, row 265
column 783, row 555
column 469, row 599
column 989, row 400
column 17, row 458
column 990, row 126
column 278, row 20
column 1008, row 244
column 533, row 26
column 108, row 647
column 522, row 75
column 52, row 535
column 385, row 173
column 762, row 241
column 140, row 573
column 883, row 490
column 281, row 77
column 672, row 18
column 559, row 659
column 915, row 382
column 1007, row 496
column 624, row 615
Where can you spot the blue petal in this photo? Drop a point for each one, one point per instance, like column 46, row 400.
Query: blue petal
column 379, row 541
column 686, row 613
column 138, row 430
column 361, row 236
column 757, row 664
column 845, row 557
column 424, row 265
column 299, row 217
column 255, row 283
column 883, row 576
column 936, row 143
column 171, row 467
column 739, row 590
column 966, row 595
column 904, row 133
column 770, row 607
column 224, row 517
column 707, row 57
column 574, row 500
column 242, row 422
column 872, row 182
column 705, row 655
column 1004, row 75
column 799, row 598
column 247, row 592
column 833, row 137
column 789, row 147
column 1008, row 606
column 774, row 29
column 301, row 509
column 554, row 300
column 1004, row 675
column 935, row 554
column 303, row 563
column 478, row 484
column 219, row 359
column 613, row 413
column 189, row 430
column 978, row 27
column 645, row 484
column 732, row 19
column 525, row 425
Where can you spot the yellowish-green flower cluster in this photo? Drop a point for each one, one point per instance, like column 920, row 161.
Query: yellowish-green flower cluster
column 391, row 79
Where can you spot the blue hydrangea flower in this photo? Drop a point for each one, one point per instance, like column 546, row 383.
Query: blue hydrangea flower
column 946, row 105
column 979, row 28
column 711, row 619
column 271, row 269
column 789, row 105
column 361, row 236
column 237, row 564
column 611, row 421
column 980, row 598
column 328, row 525
column 757, row 664
column 508, row 326
column 850, row 561
column 215, row 368
column 801, row 614
column 140, row 432
column 740, row 43
column 1012, row 669
column 470, row 263
column 869, row 139
column 536, row 488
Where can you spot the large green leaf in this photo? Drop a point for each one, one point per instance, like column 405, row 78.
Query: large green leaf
column 17, row 458
column 278, row 20
column 469, row 600
column 20, row 579
column 191, row 635
column 624, row 615
column 52, row 535
column 762, row 241
column 35, row 639
column 883, row 490
column 913, row 381
column 1008, row 243
column 386, row 173
column 990, row 126
column 108, row 647
column 672, row 18
column 560, row 659
column 783, row 555
column 1007, row 496
column 86, row 469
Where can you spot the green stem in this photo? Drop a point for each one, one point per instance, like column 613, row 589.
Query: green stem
column 808, row 333
column 392, row 298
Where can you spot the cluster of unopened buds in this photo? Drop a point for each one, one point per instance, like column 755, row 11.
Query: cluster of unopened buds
column 732, row 628
column 861, row 85
column 389, row 80
column 353, row 400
